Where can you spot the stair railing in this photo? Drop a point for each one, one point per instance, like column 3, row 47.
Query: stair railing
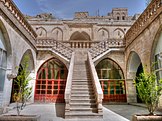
column 56, row 46
column 69, row 84
column 106, row 45
column 96, row 83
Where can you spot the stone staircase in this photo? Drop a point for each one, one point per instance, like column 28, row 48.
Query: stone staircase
column 83, row 100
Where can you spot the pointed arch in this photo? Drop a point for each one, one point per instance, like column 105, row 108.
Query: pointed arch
column 41, row 32
column 80, row 36
column 29, row 54
column 51, row 81
column 103, row 34
column 112, row 80
column 133, row 63
column 119, row 33
column 156, row 53
column 57, row 34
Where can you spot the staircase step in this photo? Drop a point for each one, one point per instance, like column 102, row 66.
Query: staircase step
column 82, row 88
column 78, row 109
column 82, row 96
column 83, row 78
column 83, row 100
column 84, row 115
column 82, row 92
column 83, row 105
column 81, row 83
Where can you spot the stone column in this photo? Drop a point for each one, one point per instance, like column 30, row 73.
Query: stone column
column 130, row 88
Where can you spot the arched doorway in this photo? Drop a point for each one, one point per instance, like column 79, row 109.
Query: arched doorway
column 135, row 68
column 112, row 81
column 27, row 58
column 51, row 82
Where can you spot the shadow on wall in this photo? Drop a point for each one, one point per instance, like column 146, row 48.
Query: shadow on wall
column 60, row 109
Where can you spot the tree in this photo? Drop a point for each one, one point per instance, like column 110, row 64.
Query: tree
column 22, row 80
column 149, row 90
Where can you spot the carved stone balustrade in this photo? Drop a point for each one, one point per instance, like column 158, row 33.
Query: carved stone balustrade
column 104, row 46
column 153, row 10
column 54, row 46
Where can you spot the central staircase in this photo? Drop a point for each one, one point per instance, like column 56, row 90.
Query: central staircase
column 83, row 101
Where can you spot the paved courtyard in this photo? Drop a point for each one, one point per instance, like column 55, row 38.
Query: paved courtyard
column 55, row 112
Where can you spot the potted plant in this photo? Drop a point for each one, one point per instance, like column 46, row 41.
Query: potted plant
column 23, row 94
column 149, row 90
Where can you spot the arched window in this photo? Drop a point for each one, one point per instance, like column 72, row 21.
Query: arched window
column 108, row 69
column 112, row 81
column 3, row 61
column 51, row 82
column 158, row 57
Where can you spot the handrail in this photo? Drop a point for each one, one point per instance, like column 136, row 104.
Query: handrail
column 69, row 84
column 152, row 11
column 54, row 45
column 104, row 46
column 96, row 83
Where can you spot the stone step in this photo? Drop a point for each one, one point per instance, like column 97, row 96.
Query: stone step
column 83, row 101
column 82, row 92
column 88, row 110
column 82, row 97
column 86, row 116
column 82, row 89
column 81, row 86
column 81, row 83
column 83, row 105
column 81, row 78
column 80, row 73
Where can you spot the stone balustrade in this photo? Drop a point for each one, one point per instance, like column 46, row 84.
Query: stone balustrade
column 104, row 46
column 80, row 44
column 96, row 83
column 56, row 46
column 69, row 84
column 19, row 16
column 150, row 13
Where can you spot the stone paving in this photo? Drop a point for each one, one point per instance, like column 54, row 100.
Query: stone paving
column 55, row 112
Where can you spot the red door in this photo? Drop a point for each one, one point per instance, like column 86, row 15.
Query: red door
column 51, row 82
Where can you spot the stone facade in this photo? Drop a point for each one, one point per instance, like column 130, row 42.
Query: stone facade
column 132, row 40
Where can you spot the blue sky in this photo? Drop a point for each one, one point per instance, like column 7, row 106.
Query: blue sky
column 65, row 8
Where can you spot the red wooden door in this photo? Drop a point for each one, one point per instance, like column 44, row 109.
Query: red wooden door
column 51, row 82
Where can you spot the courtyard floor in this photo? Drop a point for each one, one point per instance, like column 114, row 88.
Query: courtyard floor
column 55, row 112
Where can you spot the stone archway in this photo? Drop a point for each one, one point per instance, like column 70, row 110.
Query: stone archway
column 51, row 82
column 112, row 80
column 31, row 67
column 134, row 66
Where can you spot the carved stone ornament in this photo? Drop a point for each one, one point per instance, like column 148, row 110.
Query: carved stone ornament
column 11, row 76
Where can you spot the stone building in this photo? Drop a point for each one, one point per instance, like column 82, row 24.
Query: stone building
column 80, row 62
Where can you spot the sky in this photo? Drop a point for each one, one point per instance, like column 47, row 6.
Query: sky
column 65, row 9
